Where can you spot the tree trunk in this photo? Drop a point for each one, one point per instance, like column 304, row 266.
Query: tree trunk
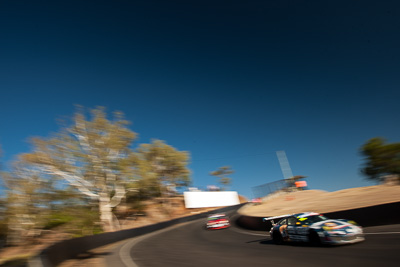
column 106, row 214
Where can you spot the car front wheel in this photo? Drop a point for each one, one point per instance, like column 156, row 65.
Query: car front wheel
column 277, row 238
column 314, row 239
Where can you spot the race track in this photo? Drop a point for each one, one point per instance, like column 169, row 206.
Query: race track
column 191, row 245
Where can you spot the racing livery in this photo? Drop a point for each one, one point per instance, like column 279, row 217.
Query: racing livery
column 314, row 228
column 217, row 221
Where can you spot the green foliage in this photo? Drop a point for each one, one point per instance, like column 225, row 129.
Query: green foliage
column 86, row 223
column 160, row 163
column 382, row 159
column 135, row 202
column 222, row 173
column 16, row 261
column 3, row 230
column 78, row 221
column 58, row 219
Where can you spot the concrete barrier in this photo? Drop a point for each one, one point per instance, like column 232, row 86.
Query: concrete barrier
column 371, row 216
column 68, row 249
column 367, row 216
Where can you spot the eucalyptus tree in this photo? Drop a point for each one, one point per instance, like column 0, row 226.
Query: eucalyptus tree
column 162, row 166
column 27, row 202
column 382, row 159
column 222, row 173
column 92, row 155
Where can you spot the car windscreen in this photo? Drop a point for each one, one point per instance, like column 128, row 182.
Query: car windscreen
column 312, row 219
column 217, row 218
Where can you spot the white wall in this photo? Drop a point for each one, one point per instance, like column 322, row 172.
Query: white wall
column 210, row 199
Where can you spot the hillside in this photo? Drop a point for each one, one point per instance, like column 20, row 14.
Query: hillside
column 322, row 201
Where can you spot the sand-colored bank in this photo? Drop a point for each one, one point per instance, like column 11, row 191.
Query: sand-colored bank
column 322, row 201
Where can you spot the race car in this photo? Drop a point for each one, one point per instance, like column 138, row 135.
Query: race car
column 315, row 229
column 217, row 221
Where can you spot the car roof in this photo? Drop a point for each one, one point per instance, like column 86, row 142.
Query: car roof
column 277, row 217
column 305, row 214
column 217, row 215
column 297, row 215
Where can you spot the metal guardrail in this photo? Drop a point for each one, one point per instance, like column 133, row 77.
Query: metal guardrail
column 280, row 185
column 269, row 188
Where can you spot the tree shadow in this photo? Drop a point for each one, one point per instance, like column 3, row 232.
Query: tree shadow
column 267, row 242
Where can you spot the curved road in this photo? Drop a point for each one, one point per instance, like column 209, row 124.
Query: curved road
column 191, row 245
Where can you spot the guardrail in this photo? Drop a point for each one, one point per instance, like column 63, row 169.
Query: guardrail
column 289, row 184
column 67, row 249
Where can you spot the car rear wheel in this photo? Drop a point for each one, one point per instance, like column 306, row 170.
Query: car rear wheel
column 277, row 238
column 314, row 239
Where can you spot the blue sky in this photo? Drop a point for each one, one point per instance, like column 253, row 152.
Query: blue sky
column 232, row 82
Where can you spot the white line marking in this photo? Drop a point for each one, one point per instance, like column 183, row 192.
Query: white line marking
column 248, row 233
column 382, row 233
column 124, row 251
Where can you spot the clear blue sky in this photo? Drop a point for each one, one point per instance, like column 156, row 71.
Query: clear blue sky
column 231, row 81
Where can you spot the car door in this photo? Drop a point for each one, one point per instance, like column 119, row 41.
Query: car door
column 281, row 227
column 297, row 231
column 291, row 228
column 302, row 230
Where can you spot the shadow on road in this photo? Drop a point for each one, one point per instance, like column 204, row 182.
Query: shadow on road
column 262, row 241
column 292, row 244
column 89, row 255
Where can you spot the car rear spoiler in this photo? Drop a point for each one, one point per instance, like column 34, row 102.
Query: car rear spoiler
column 275, row 218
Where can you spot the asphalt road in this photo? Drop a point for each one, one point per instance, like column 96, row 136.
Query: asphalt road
column 191, row 245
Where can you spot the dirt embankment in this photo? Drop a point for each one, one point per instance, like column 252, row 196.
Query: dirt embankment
column 322, row 201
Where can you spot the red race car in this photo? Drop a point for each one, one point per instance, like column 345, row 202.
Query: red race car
column 217, row 221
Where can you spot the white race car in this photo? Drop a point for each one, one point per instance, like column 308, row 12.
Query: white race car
column 217, row 221
column 314, row 228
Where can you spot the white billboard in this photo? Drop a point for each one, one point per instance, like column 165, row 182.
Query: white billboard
column 210, row 199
